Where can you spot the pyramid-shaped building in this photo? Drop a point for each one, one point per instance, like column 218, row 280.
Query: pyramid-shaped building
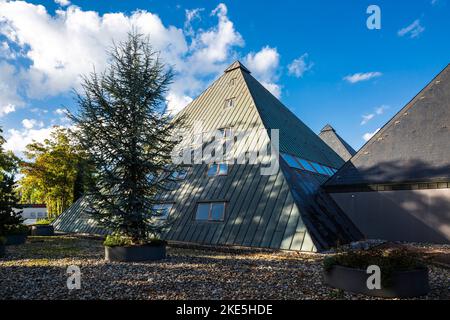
column 335, row 142
column 234, row 203
column 397, row 186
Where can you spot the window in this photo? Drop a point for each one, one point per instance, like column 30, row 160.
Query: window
column 162, row 210
column 229, row 103
column 232, row 82
column 226, row 133
column 291, row 161
column 210, row 211
column 306, row 165
column 320, row 169
column 180, row 175
column 215, row 169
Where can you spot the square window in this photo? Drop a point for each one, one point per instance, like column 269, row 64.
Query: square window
column 226, row 133
column 217, row 169
column 212, row 171
column 210, row 211
column 202, row 211
column 229, row 103
column 180, row 175
column 223, row 169
column 217, row 211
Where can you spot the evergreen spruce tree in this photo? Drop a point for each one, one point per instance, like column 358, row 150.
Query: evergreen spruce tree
column 124, row 128
column 10, row 219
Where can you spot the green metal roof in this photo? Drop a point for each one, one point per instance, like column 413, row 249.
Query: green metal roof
column 262, row 211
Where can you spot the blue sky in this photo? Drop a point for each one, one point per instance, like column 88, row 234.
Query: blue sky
column 317, row 56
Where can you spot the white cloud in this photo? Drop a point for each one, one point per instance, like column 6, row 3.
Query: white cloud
column 381, row 109
column 63, row 46
column 9, row 84
column 191, row 15
column 62, row 3
column 60, row 111
column 413, row 30
column 6, row 52
column 367, row 118
column 264, row 66
column 176, row 103
column 69, row 43
column 32, row 123
column 299, row 66
column 367, row 136
column 377, row 112
column 16, row 140
column 357, row 77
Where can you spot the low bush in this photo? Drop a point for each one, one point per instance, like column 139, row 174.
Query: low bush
column 389, row 261
column 43, row 222
column 124, row 241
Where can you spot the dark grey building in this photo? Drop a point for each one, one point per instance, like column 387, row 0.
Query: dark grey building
column 335, row 142
column 233, row 203
column 397, row 187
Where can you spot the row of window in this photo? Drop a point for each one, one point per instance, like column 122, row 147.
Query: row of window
column 206, row 211
column 302, row 164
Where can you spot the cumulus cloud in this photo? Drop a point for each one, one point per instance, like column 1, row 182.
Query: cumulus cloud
column 367, row 136
column 299, row 66
column 413, row 30
column 62, row 3
column 358, row 77
column 66, row 44
column 176, row 103
column 70, row 43
column 32, row 123
column 9, row 86
column 264, row 66
column 18, row 139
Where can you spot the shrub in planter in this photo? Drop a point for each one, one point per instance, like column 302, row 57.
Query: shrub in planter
column 402, row 273
column 42, row 228
column 122, row 248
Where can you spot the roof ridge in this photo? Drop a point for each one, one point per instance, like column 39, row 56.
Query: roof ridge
column 235, row 65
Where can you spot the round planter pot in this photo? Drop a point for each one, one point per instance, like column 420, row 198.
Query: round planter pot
column 16, row 239
column 42, row 230
column 2, row 250
column 404, row 283
column 135, row 253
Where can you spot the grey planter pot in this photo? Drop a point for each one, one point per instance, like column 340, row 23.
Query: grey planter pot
column 135, row 253
column 42, row 230
column 16, row 239
column 405, row 284
column 2, row 250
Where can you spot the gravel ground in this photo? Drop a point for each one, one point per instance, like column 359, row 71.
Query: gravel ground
column 37, row 270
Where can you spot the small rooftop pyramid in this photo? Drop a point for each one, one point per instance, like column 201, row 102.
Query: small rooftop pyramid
column 414, row 146
column 335, row 142
column 285, row 210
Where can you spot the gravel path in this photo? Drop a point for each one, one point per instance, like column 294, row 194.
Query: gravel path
column 37, row 270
